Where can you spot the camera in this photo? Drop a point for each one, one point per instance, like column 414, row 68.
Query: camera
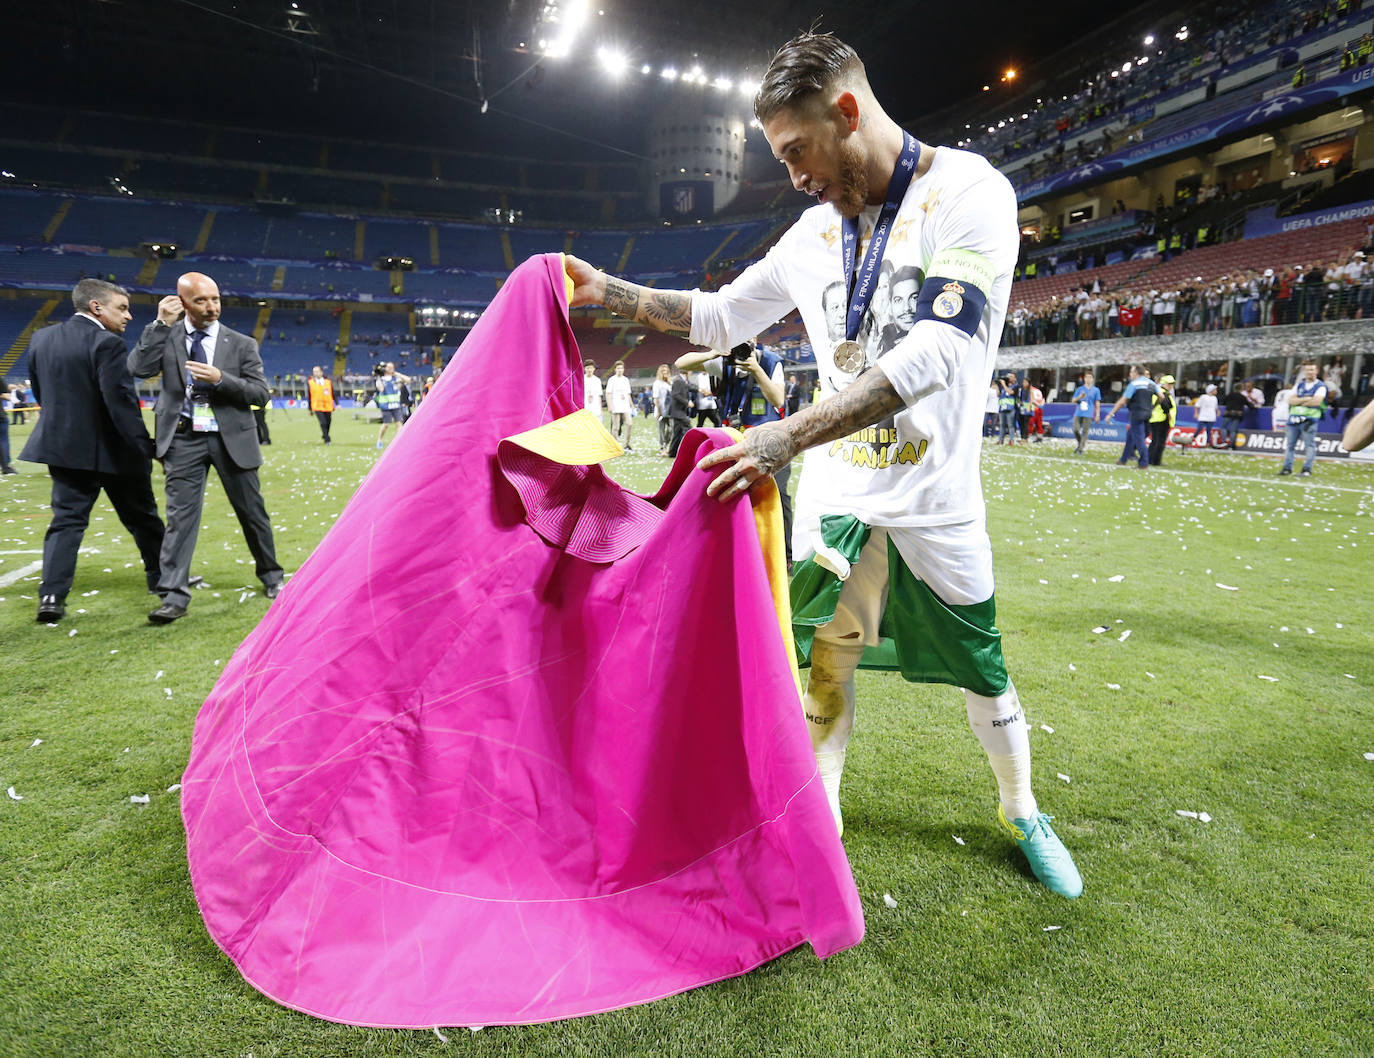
column 740, row 353
column 378, row 370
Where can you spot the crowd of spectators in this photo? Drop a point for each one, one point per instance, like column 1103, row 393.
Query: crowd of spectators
column 1335, row 289
column 1097, row 111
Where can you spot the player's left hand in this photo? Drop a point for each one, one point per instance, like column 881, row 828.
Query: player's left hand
column 764, row 451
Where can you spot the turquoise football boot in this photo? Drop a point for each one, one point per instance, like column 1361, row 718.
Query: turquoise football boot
column 1049, row 859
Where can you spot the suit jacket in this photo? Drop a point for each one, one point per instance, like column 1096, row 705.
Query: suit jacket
column 163, row 349
column 680, row 399
column 91, row 418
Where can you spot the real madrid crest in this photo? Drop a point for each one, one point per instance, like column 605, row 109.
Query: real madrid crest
column 949, row 301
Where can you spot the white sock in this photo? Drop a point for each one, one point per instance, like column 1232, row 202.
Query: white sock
column 829, row 706
column 1000, row 726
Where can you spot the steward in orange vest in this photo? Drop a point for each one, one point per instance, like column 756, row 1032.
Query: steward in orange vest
column 321, row 399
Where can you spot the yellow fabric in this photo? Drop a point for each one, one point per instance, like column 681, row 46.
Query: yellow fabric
column 768, row 523
column 568, row 285
column 575, row 440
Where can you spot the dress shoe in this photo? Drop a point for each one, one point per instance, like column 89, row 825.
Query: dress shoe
column 9, row 470
column 167, row 613
column 51, row 609
column 272, row 590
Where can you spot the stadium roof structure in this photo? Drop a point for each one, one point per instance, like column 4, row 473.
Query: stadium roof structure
column 421, row 69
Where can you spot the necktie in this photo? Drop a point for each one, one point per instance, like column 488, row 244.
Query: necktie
column 198, row 355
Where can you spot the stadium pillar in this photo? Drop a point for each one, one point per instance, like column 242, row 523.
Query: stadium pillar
column 1230, row 372
column 1287, row 370
column 1356, row 372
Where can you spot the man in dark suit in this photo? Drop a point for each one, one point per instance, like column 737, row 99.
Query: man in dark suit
column 211, row 378
column 680, row 404
column 91, row 435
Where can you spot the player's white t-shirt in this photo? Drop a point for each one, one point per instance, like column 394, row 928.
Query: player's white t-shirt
column 618, row 399
column 957, row 224
column 591, row 391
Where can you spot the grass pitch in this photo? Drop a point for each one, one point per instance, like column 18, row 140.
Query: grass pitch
column 1243, row 691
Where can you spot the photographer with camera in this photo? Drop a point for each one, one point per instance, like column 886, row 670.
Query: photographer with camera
column 388, row 382
column 752, row 391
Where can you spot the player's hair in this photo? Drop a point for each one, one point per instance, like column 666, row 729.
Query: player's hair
column 88, row 290
column 905, row 274
column 807, row 66
column 1306, row 361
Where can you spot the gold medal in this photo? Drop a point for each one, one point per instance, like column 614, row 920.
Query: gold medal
column 849, row 356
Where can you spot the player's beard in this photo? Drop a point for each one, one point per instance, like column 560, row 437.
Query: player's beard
column 853, row 196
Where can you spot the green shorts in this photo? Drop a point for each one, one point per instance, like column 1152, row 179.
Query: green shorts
column 922, row 637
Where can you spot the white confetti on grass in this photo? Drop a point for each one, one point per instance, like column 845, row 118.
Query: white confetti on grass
column 959, row 841
column 888, row 900
column 36, row 742
column 1047, row 729
column 442, row 1037
column 1099, row 630
column 139, row 799
column 1117, row 579
column 174, row 787
column 1073, row 667
column 1065, row 777
column 1226, row 587
column 14, row 794
column 1050, row 929
column 1113, row 686
column 1271, row 679
column 1124, row 636
column 1369, row 756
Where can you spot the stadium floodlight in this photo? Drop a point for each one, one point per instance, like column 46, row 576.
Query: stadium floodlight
column 668, row 73
column 697, row 75
column 1126, row 67
column 1182, row 33
column 612, row 61
column 1010, row 75
column 1149, row 39
column 749, row 88
column 1142, row 60
column 986, row 88
column 724, row 83
column 646, row 69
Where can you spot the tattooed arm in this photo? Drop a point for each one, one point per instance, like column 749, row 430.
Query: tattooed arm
column 767, row 449
column 669, row 311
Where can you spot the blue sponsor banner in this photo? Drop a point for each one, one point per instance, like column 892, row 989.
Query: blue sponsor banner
column 1253, row 115
column 1262, row 221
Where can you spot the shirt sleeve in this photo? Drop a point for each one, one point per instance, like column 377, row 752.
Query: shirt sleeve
column 975, row 243
column 756, row 300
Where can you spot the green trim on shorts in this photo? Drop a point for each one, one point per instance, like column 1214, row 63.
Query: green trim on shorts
column 924, row 638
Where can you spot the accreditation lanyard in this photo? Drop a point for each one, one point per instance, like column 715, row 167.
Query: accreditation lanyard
column 860, row 284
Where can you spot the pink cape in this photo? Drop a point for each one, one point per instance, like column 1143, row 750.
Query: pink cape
column 471, row 770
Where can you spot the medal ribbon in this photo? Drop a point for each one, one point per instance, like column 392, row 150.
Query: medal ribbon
column 860, row 285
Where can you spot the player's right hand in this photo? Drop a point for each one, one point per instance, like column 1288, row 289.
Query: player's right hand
column 169, row 309
column 589, row 284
